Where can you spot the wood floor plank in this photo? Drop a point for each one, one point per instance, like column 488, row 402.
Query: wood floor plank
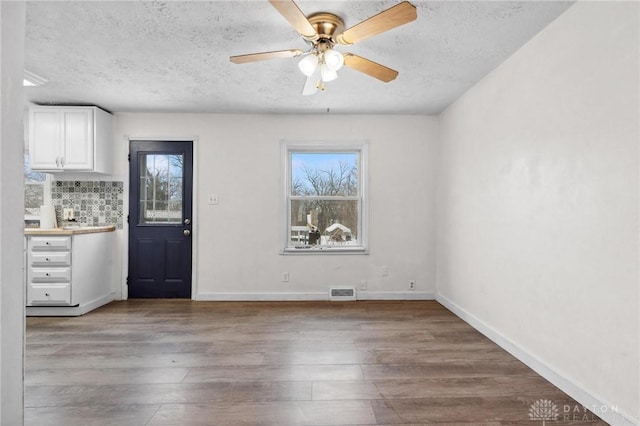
column 147, row 360
column 114, row 415
column 301, row 413
column 531, row 386
column 344, row 390
column 125, row 348
column 182, row 393
column 180, row 362
column 321, row 357
column 445, row 369
column 88, row 376
column 274, row 373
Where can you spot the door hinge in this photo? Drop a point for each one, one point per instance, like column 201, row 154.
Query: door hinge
column 127, row 279
column 129, row 157
column 127, row 218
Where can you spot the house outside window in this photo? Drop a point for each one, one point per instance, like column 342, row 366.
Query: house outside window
column 325, row 202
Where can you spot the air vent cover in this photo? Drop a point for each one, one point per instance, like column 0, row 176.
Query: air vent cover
column 342, row 293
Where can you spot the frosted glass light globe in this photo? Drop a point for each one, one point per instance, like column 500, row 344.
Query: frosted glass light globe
column 327, row 74
column 333, row 59
column 308, row 64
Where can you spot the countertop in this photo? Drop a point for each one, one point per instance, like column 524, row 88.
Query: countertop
column 71, row 231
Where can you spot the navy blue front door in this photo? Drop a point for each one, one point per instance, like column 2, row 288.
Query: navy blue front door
column 160, row 207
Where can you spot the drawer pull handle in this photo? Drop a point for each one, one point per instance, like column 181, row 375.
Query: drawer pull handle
column 47, row 243
column 46, row 294
column 46, row 259
column 47, row 274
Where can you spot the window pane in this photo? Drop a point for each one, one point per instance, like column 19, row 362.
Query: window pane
column 161, row 188
column 332, row 173
column 324, row 222
column 33, row 189
column 30, row 175
column 175, row 189
column 33, row 198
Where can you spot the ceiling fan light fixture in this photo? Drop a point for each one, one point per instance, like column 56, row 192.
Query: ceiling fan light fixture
column 308, row 64
column 327, row 74
column 333, row 59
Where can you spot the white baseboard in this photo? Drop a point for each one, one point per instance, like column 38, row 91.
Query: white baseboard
column 260, row 297
column 67, row 311
column 564, row 383
column 311, row 296
column 395, row 295
column 96, row 303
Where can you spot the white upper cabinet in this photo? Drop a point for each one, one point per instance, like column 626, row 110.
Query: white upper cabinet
column 70, row 139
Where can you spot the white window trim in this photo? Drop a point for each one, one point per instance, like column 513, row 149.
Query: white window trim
column 286, row 147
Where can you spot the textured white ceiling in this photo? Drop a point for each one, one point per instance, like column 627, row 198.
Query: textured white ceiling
column 173, row 56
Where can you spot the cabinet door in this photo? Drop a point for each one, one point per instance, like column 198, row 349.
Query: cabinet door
column 48, row 242
column 44, row 139
column 77, row 139
column 49, row 294
column 58, row 275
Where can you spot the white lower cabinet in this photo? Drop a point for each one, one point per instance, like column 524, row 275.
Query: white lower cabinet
column 68, row 274
column 50, row 294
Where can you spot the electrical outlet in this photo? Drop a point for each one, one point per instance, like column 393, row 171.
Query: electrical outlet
column 67, row 214
column 213, row 199
column 285, row 277
column 363, row 285
column 412, row 285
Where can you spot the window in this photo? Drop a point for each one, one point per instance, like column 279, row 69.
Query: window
column 161, row 189
column 34, row 187
column 325, row 198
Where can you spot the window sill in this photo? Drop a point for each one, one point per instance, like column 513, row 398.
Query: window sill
column 324, row 250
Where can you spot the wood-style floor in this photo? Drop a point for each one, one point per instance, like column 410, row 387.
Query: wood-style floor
column 179, row 362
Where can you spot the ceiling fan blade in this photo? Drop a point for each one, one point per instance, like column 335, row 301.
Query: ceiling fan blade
column 292, row 13
column 254, row 57
column 368, row 67
column 393, row 17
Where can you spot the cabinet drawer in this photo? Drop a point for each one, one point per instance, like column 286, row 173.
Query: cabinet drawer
column 50, row 259
column 50, row 274
column 49, row 294
column 50, row 243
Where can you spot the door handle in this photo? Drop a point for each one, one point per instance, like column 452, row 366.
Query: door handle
column 186, row 232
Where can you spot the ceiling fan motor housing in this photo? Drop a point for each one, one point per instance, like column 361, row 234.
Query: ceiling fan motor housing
column 326, row 25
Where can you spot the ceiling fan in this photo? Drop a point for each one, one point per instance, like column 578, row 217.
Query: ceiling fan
column 322, row 31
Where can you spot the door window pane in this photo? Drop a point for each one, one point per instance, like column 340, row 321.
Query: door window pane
column 161, row 188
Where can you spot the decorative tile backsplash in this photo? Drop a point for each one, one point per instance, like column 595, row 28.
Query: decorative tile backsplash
column 93, row 202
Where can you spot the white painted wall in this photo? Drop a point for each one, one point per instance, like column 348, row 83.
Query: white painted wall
column 12, row 288
column 238, row 241
column 538, row 205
